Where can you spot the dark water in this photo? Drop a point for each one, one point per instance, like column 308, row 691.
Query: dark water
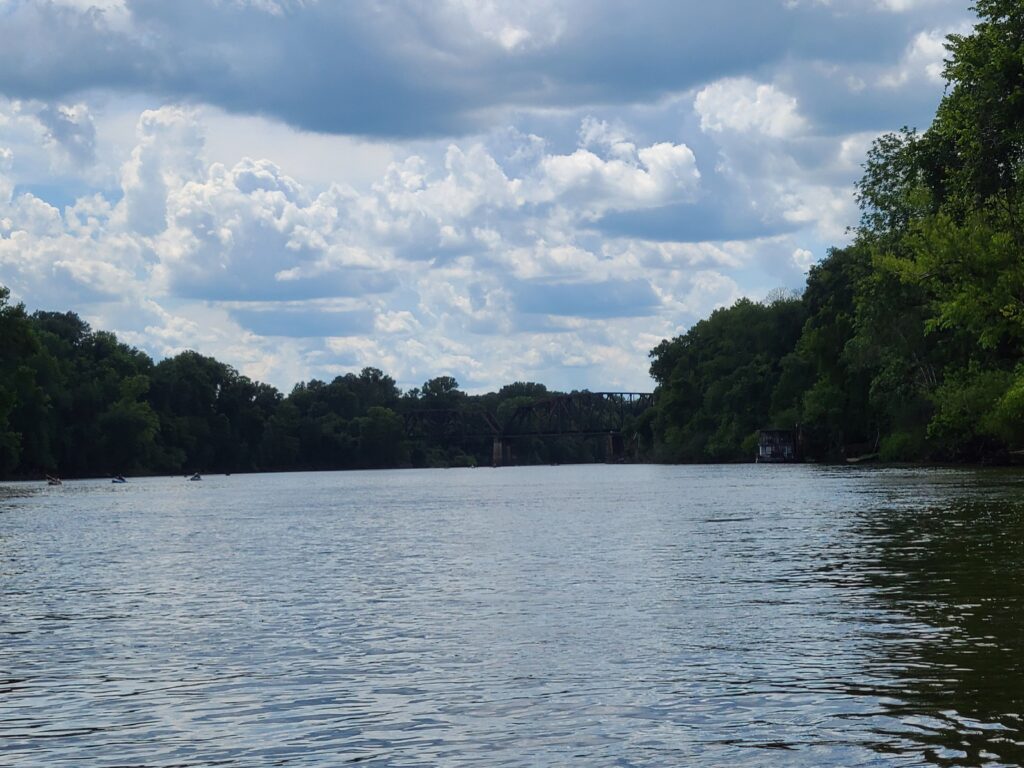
column 712, row 616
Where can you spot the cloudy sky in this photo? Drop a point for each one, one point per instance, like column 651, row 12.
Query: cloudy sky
column 496, row 191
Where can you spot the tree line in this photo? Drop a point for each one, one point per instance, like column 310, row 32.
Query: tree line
column 79, row 403
column 907, row 344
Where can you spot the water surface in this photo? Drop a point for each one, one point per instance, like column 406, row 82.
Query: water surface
column 595, row 615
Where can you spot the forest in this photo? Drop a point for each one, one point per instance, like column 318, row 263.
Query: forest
column 907, row 344
column 78, row 403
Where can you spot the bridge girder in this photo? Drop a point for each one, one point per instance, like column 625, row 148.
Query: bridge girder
column 577, row 413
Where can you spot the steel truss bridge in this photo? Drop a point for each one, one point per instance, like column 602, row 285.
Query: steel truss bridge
column 584, row 414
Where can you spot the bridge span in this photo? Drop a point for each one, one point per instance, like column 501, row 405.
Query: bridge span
column 584, row 414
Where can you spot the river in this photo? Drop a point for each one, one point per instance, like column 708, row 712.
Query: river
column 586, row 615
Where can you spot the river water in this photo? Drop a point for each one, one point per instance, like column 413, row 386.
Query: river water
column 589, row 615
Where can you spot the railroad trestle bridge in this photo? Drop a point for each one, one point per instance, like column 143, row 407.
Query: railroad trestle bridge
column 583, row 414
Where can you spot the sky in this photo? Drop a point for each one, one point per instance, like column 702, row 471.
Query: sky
column 521, row 191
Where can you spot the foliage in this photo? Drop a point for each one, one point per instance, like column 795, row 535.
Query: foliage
column 716, row 380
column 912, row 343
column 78, row 402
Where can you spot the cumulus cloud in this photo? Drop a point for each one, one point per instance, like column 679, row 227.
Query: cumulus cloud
column 487, row 239
column 656, row 174
column 744, row 106
column 536, row 191
column 437, row 247
column 708, row 291
column 251, row 233
column 166, row 155
column 803, row 258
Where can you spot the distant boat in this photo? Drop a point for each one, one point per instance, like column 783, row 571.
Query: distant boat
column 118, row 479
column 861, row 459
column 196, row 476
column 51, row 480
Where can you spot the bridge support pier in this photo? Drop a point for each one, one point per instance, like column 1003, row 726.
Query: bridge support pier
column 614, row 448
column 501, row 453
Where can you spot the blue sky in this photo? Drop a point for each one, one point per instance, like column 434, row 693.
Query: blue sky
column 494, row 191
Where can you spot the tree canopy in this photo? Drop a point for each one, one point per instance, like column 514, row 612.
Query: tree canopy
column 911, row 340
column 77, row 402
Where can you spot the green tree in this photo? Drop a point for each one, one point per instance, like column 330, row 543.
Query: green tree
column 715, row 382
column 129, row 428
column 441, row 392
column 381, row 438
column 981, row 117
column 17, row 343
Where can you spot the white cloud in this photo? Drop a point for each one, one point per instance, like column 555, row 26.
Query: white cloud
column 629, row 178
column 166, row 155
column 831, row 211
column 923, row 60
column 401, row 321
column 6, row 187
column 746, row 106
column 709, row 290
column 803, row 259
column 853, row 149
column 437, row 255
column 904, row 6
column 513, row 26
column 542, row 259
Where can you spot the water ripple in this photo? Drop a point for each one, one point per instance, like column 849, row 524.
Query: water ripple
column 799, row 616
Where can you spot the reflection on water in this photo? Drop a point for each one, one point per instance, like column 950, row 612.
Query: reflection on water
column 757, row 615
column 952, row 568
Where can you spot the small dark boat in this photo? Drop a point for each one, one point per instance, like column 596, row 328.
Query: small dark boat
column 196, row 476
column 51, row 480
column 118, row 479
